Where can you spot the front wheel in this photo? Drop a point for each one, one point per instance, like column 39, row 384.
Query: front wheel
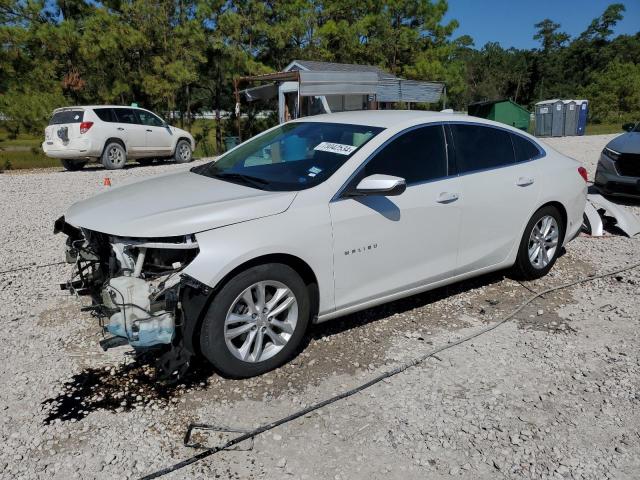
column 540, row 244
column 256, row 321
column 73, row 165
column 183, row 153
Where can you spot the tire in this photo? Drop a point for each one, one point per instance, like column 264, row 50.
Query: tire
column 145, row 161
column 73, row 165
column 183, row 153
column 549, row 220
column 114, row 156
column 224, row 347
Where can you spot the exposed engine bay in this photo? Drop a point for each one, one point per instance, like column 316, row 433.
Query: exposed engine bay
column 134, row 283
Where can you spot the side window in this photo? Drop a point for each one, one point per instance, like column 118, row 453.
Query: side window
column 524, row 149
column 126, row 115
column 417, row 156
column 479, row 147
column 105, row 114
column 148, row 118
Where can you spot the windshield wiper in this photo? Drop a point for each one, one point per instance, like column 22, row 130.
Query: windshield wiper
column 255, row 181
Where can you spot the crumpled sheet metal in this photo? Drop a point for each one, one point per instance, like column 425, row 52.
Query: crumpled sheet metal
column 593, row 220
column 625, row 220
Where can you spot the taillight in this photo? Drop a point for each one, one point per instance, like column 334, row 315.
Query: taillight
column 85, row 126
column 583, row 173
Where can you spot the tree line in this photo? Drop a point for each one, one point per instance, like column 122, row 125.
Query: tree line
column 182, row 55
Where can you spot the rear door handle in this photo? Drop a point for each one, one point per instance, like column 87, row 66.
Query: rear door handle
column 149, row 130
column 120, row 128
column 525, row 181
column 447, row 197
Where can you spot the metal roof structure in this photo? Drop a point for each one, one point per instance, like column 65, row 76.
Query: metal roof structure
column 329, row 78
column 324, row 79
column 313, row 66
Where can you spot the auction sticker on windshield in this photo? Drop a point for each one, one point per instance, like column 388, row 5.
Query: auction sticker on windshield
column 339, row 148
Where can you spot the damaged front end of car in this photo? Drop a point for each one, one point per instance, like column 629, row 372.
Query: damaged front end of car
column 137, row 290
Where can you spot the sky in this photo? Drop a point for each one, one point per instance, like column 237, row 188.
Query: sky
column 510, row 22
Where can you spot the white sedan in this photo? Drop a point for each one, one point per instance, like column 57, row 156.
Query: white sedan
column 312, row 220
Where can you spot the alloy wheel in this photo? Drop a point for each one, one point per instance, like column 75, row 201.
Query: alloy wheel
column 543, row 242
column 184, row 152
column 261, row 321
column 116, row 156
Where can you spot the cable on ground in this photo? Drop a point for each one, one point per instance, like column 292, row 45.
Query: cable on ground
column 31, row 266
column 378, row 379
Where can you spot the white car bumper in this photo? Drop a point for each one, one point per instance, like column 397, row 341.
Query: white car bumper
column 76, row 148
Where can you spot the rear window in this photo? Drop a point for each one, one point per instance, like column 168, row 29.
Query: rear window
column 524, row 149
column 67, row 116
column 105, row 114
column 478, row 147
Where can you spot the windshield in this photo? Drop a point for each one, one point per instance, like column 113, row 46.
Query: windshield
column 292, row 157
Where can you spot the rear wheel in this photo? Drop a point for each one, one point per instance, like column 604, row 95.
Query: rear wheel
column 73, row 165
column 114, row 156
column 256, row 321
column 540, row 244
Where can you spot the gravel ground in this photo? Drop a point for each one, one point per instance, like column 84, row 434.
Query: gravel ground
column 553, row 394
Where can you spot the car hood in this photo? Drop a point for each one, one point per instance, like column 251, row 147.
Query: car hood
column 626, row 143
column 175, row 204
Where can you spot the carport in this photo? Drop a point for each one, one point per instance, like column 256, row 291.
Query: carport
column 307, row 88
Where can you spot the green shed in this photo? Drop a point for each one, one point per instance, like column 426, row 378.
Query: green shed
column 503, row 111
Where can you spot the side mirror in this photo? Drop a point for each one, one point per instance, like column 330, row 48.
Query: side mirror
column 378, row 184
column 628, row 127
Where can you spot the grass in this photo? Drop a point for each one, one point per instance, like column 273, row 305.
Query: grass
column 23, row 140
column 22, row 159
column 22, row 152
column 603, row 128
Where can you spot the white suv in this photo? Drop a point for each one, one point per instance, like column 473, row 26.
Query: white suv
column 110, row 134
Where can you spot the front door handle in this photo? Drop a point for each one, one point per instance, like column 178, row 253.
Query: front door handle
column 149, row 130
column 447, row 197
column 525, row 181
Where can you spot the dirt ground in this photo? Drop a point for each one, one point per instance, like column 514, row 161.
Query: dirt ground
column 553, row 394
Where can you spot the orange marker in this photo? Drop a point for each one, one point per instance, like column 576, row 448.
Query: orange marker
column 106, row 182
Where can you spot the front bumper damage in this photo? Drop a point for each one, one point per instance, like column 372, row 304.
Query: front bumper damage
column 138, row 291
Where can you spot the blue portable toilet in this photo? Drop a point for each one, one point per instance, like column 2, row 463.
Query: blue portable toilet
column 583, row 113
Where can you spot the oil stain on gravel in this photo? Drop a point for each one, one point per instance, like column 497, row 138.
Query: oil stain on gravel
column 119, row 389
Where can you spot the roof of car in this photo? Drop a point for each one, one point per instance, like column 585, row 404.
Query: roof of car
column 392, row 118
column 77, row 107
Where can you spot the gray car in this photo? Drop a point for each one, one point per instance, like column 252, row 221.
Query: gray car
column 618, row 171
